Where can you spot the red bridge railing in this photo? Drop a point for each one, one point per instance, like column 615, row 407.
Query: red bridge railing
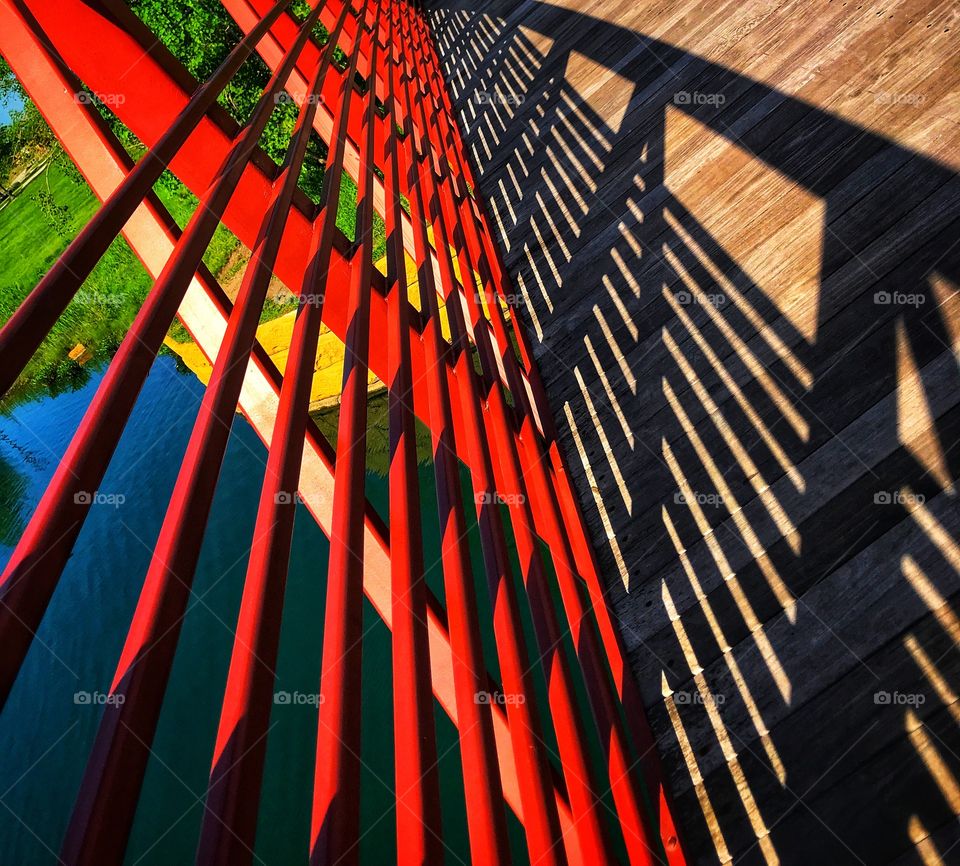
column 398, row 139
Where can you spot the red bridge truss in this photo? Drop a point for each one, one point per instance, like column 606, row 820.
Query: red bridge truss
column 387, row 121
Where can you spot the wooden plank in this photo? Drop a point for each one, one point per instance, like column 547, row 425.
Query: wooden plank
column 835, row 466
column 825, row 174
column 869, row 663
column 830, row 414
column 921, row 662
column 720, row 612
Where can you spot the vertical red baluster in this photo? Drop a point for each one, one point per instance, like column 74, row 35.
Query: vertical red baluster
column 539, row 806
column 484, row 796
column 415, row 750
column 107, row 800
column 335, row 826
column 227, row 834
column 566, row 532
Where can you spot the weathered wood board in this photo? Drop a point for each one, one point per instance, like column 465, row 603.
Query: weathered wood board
column 734, row 231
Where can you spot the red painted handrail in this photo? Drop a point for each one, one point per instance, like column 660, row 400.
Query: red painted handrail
column 399, row 140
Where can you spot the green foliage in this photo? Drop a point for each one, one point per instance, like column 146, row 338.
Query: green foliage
column 38, row 224
column 181, row 203
column 31, row 138
column 57, row 215
column 200, row 34
column 104, row 307
column 8, row 81
column 13, row 489
column 275, row 308
column 66, row 165
column 8, row 152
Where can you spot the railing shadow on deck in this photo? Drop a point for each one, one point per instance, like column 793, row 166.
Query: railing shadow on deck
column 744, row 308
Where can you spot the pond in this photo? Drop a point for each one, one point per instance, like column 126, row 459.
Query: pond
column 50, row 720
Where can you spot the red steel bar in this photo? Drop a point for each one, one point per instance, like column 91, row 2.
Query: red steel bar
column 539, row 808
column 247, row 14
column 31, row 575
column 85, row 142
column 492, row 252
column 510, row 450
column 582, row 781
column 227, row 835
column 561, row 528
column 619, row 755
column 627, row 797
column 198, row 160
column 21, row 336
column 106, row 803
column 415, row 749
column 485, row 816
column 270, row 50
column 335, row 825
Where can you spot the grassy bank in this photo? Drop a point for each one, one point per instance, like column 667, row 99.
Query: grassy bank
column 36, row 227
column 104, row 307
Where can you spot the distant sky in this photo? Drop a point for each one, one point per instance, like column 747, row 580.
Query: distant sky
column 9, row 101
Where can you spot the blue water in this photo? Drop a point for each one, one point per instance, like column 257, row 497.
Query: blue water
column 47, row 735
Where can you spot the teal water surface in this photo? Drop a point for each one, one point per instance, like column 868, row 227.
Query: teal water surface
column 48, row 726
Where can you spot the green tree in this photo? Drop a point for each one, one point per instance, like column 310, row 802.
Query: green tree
column 200, row 34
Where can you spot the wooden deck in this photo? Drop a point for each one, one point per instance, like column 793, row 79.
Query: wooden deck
column 736, row 230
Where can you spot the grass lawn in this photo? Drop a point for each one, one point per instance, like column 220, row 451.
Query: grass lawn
column 347, row 218
column 104, row 307
column 108, row 301
column 182, row 203
column 28, row 244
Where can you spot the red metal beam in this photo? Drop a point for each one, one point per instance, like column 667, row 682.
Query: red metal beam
column 335, row 824
column 227, row 835
column 21, row 336
column 106, row 46
column 151, row 234
column 106, row 803
column 566, row 533
column 482, row 787
column 539, row 809
column 502, row 756
column 419, row 829
column 271, row 49
column 583, row 783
